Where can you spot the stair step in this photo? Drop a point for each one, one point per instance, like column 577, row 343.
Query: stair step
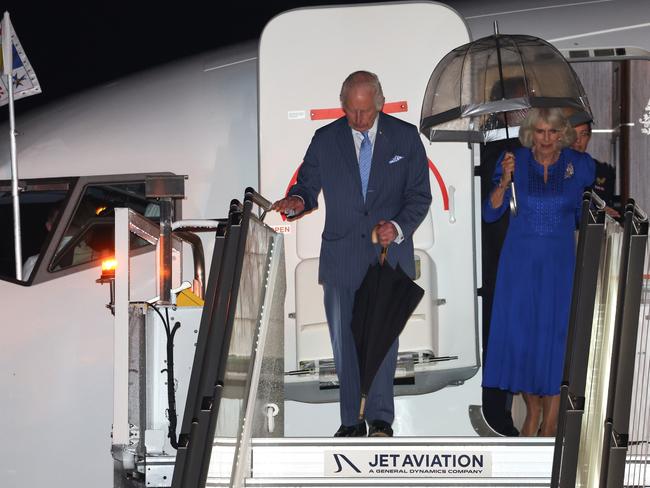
column 404, row 461
column 384, row 483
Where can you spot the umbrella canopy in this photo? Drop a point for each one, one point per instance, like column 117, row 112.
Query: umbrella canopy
column 383, row 303
column 474, row 85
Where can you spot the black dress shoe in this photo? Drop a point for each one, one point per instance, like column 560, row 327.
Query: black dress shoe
column 358, row 430
column 379, row 428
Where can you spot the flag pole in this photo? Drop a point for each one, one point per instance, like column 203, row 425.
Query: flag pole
column 7, row 58
column 14, row 183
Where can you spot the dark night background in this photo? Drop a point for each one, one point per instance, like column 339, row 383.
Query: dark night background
column 72, row 48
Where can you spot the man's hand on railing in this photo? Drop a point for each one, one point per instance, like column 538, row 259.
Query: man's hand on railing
column 291, row 206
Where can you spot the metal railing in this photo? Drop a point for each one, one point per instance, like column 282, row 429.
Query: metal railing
column 228, row 385
column 592, row 441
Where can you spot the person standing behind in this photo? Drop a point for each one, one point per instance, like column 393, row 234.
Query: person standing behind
column 496, row 403
column 30, row 262
column 530, row 313
column 372, row 169
column 605, row 174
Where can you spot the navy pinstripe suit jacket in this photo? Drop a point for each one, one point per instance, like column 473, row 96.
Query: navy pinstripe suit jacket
column 398, row 189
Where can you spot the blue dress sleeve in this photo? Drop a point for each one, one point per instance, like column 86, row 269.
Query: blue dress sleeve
column 491, row 214
column 585, row 172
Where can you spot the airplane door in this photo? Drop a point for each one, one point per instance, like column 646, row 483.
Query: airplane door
column 305, row 55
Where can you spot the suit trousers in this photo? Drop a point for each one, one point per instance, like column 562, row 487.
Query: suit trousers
column 339, row 301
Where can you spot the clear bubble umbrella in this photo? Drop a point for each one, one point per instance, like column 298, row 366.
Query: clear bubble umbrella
column 481, row 90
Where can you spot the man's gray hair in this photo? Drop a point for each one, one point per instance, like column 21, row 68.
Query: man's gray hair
column 552, row 116
column 363, row 78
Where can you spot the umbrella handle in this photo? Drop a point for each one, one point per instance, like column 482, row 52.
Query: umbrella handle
column 375, row 240
column 513, row 200
column 362, row 407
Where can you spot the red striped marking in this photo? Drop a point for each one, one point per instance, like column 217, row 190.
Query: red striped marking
column 335, row 113
column 432, row 167
column 441, row 184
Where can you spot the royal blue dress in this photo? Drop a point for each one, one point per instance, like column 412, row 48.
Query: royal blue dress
column 530, row 313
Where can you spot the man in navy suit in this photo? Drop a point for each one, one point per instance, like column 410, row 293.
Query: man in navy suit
column 372, row 169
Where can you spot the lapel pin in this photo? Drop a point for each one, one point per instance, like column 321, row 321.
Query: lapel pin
column 569, row 171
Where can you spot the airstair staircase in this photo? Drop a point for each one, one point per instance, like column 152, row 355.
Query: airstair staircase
column 227, row 436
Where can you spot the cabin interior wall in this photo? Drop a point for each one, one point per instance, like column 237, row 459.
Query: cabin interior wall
column 599, row 81
column 639, row 141
column 620, row 102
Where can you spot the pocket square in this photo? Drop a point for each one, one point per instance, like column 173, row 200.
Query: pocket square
column 395, row 159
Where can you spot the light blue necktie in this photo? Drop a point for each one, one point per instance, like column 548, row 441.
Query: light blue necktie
column 365, row 161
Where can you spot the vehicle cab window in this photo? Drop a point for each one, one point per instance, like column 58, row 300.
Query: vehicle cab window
column 89, row 235
column 68, row 224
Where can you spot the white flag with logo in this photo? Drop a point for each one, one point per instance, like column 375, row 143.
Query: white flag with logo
column 15, row 64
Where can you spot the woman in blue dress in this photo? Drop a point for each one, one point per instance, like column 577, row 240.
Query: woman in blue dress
column 525, row 350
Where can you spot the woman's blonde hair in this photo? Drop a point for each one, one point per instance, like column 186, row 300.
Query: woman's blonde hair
column 553, row 117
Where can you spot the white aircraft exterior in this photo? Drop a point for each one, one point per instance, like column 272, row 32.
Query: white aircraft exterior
column 199, row 117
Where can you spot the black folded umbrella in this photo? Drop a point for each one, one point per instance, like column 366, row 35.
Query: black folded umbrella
column 382, row 305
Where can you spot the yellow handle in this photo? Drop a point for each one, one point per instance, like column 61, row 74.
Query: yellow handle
column 382, row 256
column 375, row 240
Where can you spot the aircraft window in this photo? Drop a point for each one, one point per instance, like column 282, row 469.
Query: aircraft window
column 90, row 234
column 39, row 212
